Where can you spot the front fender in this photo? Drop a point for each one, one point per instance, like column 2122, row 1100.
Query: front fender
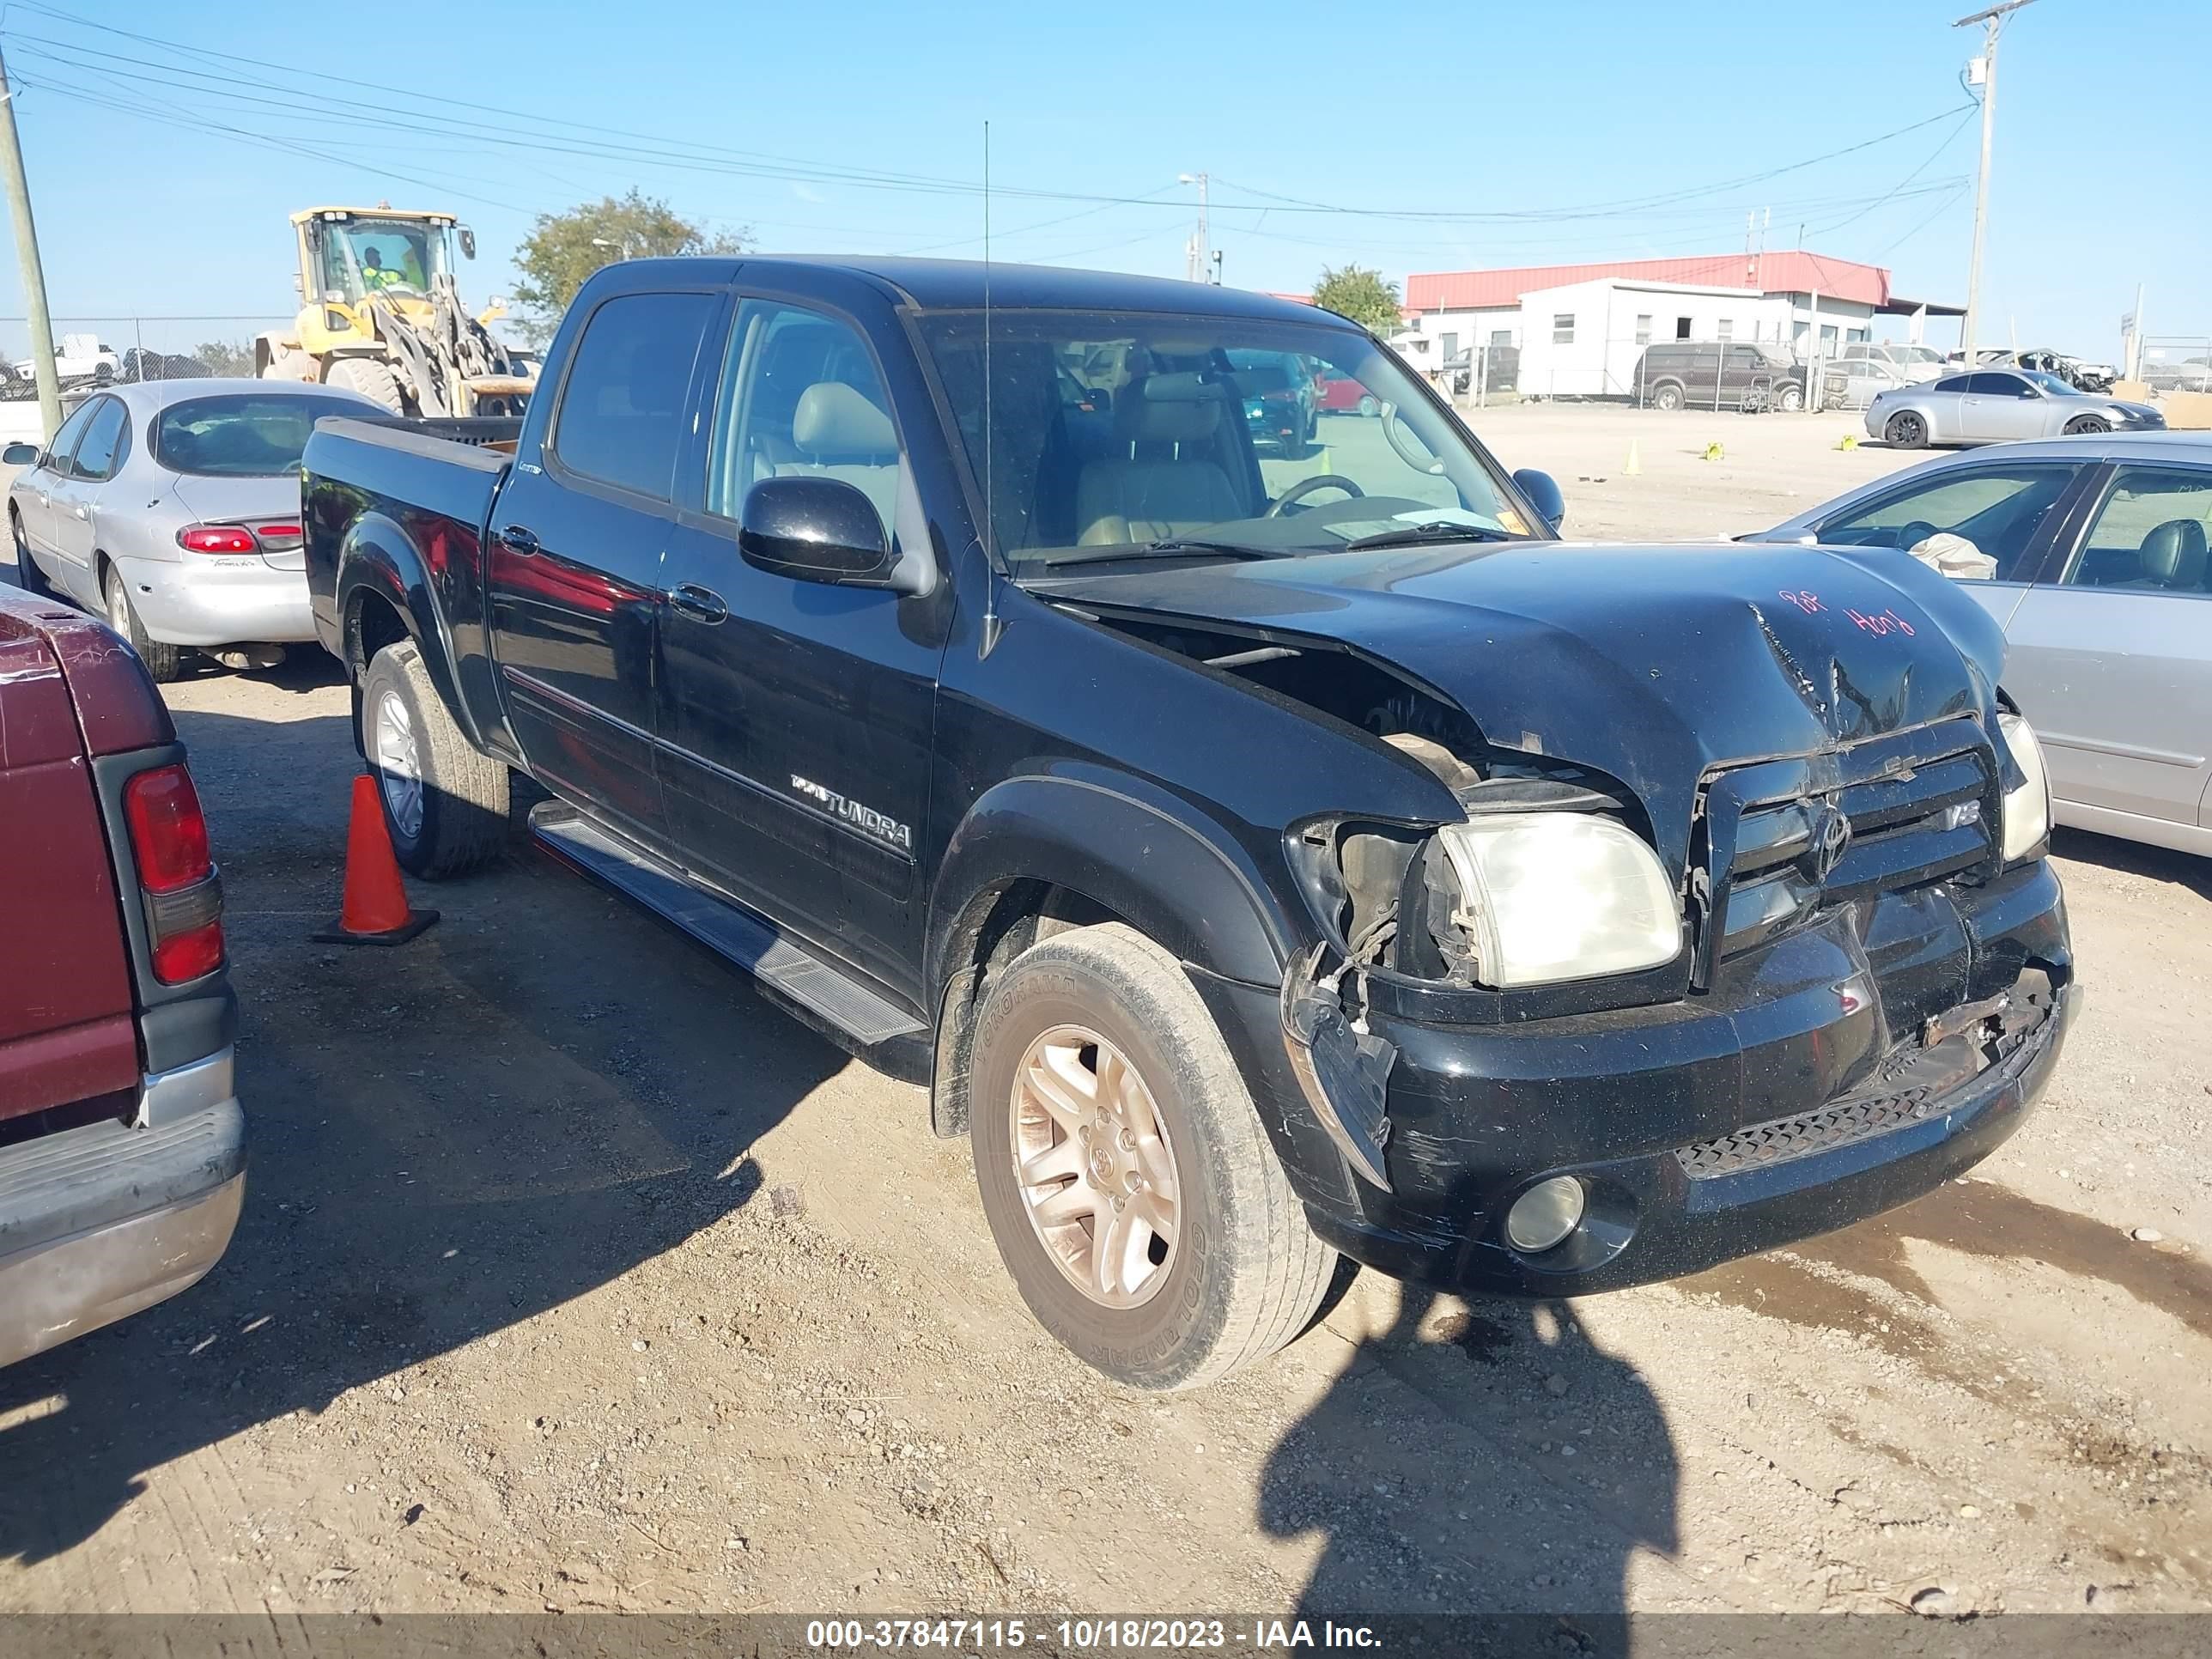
column 377, row 557
column 1142, row 852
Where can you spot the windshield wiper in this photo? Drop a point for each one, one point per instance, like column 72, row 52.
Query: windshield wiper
column 1435, row 529
column 1171, row 547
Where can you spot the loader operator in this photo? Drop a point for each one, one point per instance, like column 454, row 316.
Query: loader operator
column 374, row 274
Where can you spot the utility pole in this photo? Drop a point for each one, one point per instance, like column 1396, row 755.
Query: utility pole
column 1992, row 21
column 18, row 187
column 1199, row 257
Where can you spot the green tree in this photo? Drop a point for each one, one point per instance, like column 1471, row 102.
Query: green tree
column 1355, row 292
column 562, row 249
column 233, row 358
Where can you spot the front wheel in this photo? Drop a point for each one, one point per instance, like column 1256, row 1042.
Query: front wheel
column 445, row 804
column 2081, row 423
column 1791, row 399
column 29, row 577
column 372, row 379
column 1906, row 430
column 163, row 662
column 1131, row 1187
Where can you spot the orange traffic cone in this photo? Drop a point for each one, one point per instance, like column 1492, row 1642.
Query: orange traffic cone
column 376, row 910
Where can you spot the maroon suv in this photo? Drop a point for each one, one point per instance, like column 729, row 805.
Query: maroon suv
column 122, row 1146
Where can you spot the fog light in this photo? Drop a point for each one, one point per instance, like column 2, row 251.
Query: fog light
column 1545, row 1214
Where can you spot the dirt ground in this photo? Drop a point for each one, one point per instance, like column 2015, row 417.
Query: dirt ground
column 573, row 1276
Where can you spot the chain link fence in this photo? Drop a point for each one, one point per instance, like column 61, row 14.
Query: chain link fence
column 93, row 351
column 1743, row 375
column 2176, row 363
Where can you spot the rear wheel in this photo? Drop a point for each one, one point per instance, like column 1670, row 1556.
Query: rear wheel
column 1299, row 444
column 2088, row 424
column 1906, row 430
column 1369, row 407
column 28, row 576
column 373, row 380
column 1133, row 1192
column 1668, row 397
column 162, row 661
column 445, row 803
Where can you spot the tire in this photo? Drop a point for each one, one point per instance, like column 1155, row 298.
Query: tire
column 2081, row 423
column 1244, row 1273
column 29, row 577
column 1790, row 399
column 373, row 380
column 1369, row 406
column 1668, row 397
column 445, row 803
column 1299, row 445
column 1905, row 430
column 163, row 662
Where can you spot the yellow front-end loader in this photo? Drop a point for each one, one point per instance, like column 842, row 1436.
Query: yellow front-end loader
column 380, row 315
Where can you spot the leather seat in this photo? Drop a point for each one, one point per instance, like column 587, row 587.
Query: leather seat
column 1147, row 495
column 2172, row 558
column 836, row 433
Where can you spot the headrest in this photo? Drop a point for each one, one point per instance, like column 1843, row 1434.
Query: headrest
column 1168, row 409
column 2173, row 555
column 833, row 419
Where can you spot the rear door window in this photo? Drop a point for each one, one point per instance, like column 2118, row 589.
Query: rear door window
column 2151, row 535
column 622, row 416
column 106, row 440
column 1995, row 514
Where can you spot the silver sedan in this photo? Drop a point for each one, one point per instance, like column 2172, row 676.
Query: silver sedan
column 1997, row 405
column 172, row 508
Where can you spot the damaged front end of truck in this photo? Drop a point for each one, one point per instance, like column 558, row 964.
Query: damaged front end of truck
column 1739, row 926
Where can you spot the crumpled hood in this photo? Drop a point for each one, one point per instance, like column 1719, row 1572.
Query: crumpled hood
column 1651, row 664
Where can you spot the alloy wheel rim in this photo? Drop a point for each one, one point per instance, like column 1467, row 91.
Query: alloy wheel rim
column 1094, row 1166
column 398, row 765
column 118, row 609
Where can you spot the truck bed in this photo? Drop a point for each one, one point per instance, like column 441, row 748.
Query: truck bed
column 436, row 480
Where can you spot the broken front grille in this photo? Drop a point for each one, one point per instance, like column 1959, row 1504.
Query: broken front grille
column 1786, row 838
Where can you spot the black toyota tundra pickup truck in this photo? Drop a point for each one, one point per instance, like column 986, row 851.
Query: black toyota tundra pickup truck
column 1261, row 858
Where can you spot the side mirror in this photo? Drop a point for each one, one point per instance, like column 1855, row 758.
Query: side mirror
column 20, row 455
column 1543, row 494
column 816, row 530
column 468, row 243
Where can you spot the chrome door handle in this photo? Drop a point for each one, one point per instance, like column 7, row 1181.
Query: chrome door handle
column 700, row 603
column 519, row 541
column 81, row 512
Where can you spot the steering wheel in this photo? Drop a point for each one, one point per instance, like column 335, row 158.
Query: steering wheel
column 1305, row 487
column 1914, row 533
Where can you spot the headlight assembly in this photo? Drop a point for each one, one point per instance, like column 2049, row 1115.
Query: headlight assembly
column 1546, row 897
column 2027, row 808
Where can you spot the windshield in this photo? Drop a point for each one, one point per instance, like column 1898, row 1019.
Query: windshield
column 1208, row 429
column 2049, row 382
column 363, row 256
column 1916, row 353
column 259, row 436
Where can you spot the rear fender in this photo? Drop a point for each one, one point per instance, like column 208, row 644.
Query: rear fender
column 378, row 560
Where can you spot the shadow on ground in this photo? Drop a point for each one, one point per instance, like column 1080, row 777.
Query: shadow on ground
column 1533, row 1468
column 444, row 1139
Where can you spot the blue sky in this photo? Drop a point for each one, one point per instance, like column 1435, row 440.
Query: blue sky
column 760, row 115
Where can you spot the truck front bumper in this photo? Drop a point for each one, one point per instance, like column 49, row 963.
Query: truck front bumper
column 1801, row 1096
column 203, row 601
column 99, row 1222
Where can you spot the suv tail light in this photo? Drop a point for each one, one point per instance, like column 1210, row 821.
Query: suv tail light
column 218, row 538
column 177, row 880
